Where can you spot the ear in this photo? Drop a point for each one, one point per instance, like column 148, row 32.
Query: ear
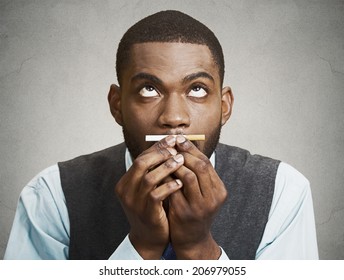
column 114, row 99
column 227, row 101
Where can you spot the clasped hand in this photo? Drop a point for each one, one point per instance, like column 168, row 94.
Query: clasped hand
column 175, row 171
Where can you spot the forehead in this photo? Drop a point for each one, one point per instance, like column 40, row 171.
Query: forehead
column 171, row 59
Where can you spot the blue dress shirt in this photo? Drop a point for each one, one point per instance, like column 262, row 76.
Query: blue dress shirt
column 41, row 225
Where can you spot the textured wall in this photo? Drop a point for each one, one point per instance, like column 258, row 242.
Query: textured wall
column 285, row 64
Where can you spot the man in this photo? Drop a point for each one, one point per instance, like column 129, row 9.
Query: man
column 174, row 198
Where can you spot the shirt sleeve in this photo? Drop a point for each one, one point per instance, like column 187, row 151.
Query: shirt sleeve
column 126, row 251
column 290, row 231
column 223, row 256
column 41, row 226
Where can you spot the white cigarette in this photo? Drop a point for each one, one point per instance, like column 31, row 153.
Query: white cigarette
column 191, row 137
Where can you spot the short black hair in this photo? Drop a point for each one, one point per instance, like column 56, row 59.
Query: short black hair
column 167, row 27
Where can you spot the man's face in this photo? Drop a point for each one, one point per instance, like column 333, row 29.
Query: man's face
column 171, row 88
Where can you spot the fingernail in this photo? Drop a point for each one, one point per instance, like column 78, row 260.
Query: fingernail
column 179, row 182
column 178, row 158
column 171, row 140
column 172, row 151
column 181, row 139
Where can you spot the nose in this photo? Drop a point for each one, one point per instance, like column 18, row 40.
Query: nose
column 174, row 112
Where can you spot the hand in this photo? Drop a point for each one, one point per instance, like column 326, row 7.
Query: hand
column 192, row 209
column 141, row 192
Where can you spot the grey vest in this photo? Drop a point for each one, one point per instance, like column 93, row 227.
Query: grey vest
column 98, row 224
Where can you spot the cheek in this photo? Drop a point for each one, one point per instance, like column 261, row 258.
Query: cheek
column 206, row 117
column 137, row 119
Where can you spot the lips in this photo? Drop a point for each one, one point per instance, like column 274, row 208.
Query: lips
column 175, row 132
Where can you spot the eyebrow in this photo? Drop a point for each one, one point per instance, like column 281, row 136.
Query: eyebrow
column 188, row 78
column 197, row 75
column 146, row 76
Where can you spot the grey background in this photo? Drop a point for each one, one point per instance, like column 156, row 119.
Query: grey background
column 284, row 62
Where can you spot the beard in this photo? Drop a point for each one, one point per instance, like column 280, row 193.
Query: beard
column 136, row 147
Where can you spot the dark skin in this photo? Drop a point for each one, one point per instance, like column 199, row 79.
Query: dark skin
column 171, row 88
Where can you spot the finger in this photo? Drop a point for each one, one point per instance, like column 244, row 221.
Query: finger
column 153, row 178
column 130, row 183
column 204, row 172
column 185, row 145
column 160, row 194
column 200, row 164
column 191, row 190
column 168, row 179
column 167, row 142
column 178, row 203
column 152, row 157
column 212, row 189
column 158, row 152
column 165, row 190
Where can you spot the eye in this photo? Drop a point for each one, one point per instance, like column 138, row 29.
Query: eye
column 148, row 91
column 198, row 92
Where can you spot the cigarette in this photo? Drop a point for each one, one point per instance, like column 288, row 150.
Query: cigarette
column 191, row 137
